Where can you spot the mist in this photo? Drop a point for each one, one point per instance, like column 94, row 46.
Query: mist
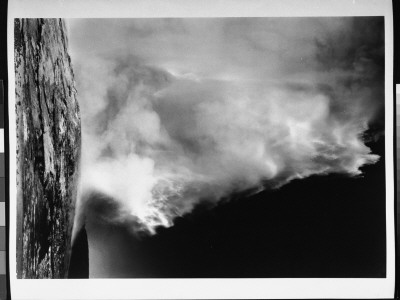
column 178, row 112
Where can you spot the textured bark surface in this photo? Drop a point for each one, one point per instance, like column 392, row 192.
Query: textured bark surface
column 48, row 148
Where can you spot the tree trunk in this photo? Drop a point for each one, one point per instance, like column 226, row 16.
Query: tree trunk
column 48, row 148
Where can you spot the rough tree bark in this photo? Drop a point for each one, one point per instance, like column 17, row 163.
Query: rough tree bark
column 48, row 148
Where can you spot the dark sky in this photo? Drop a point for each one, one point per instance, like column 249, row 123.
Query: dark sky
column 183, row 119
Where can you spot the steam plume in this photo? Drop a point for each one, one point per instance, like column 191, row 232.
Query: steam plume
column 180, row 111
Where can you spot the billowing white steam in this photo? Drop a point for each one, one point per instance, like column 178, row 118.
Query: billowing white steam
column 170, row 121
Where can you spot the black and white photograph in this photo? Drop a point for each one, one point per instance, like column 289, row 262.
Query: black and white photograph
column 201, row 148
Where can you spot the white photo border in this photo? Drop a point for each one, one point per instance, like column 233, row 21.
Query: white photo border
column 260, row 288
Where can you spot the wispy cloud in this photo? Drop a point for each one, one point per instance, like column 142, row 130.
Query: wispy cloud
column 180, row 111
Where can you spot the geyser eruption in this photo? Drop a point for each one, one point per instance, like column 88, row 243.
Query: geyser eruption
column 187, row 111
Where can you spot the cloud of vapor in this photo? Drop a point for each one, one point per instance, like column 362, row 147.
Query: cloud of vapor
column 181, row 111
